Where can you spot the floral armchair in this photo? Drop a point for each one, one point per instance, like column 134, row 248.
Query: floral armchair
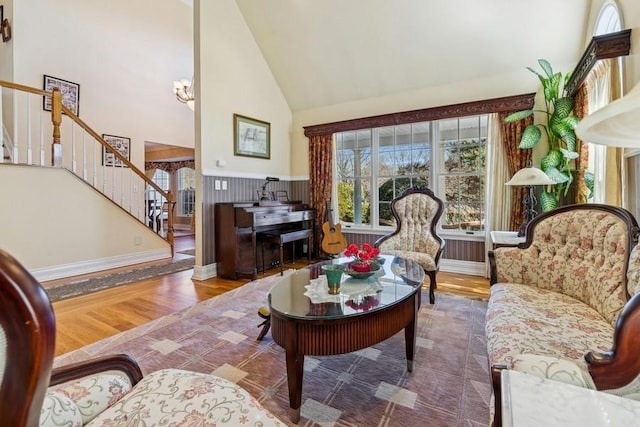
column 417, row 212
column 109, row 390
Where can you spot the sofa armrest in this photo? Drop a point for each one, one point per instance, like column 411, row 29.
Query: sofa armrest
column 510, row 264
column 496, row 372
column 118, row 362
column 621, row 365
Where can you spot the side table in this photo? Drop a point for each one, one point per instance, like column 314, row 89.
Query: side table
column 530, row 401
column 505, row 238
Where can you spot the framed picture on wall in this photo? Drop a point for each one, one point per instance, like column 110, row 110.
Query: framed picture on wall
column 70, row 93
column 121, row 144
column 252, row 137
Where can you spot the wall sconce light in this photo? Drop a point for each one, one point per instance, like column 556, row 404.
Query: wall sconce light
column 5, row 27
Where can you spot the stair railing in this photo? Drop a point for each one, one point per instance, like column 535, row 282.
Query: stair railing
column 77, row 147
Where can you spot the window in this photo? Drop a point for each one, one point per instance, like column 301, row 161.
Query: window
column 161, row 178
column 373, row 166
column 632, row 164
column 186, row 191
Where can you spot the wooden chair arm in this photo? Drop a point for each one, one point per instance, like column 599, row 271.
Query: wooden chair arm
column 621, row 365
column 496, row 372
column 493, row 270
column 117, row 362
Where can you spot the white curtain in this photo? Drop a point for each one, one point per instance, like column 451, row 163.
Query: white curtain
column 498, row 197
column 603, row 85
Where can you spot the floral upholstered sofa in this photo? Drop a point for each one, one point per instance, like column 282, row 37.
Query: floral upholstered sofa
column 563, row 304
column 164, row 397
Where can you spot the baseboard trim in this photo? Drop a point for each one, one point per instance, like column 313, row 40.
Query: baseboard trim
column 204, row 272
column 462, row 267
column 92, row 266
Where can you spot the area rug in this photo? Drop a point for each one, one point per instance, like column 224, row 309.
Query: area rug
column 449, row 385
column 85, row 286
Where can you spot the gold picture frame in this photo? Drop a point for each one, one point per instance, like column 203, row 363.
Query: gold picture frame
column 252, row 137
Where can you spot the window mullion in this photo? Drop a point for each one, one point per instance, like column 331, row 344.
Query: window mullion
column 375, row 173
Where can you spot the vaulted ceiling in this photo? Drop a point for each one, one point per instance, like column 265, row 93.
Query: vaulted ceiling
column 326, row 52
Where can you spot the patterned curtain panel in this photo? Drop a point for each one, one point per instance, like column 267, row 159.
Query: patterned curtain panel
column 170, row 167
column 516, row 160
column 321, row 174
column 581, row 109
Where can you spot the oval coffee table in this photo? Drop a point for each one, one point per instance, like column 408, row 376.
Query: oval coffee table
column 366, row 312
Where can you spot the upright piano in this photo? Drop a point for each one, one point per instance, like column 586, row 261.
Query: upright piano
column 238, row 226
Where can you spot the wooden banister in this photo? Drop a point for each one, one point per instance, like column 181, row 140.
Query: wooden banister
column 57, row 110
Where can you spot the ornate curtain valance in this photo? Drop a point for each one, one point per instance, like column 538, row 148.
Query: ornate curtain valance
column 170, row 167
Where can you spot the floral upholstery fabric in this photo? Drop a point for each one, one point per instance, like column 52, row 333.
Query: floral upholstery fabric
column 166, row 397
column 416, row 212
column 553, row 368
column 523, row 319
column 175, row 397
column 633, row 272
column 83, row 399
column 426, row 261
column 581, row 253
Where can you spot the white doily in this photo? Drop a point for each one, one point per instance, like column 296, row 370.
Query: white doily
column 318, row 290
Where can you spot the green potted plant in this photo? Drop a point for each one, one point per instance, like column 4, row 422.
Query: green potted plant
column 559, row 128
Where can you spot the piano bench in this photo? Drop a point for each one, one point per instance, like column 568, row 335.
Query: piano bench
column 281, row 238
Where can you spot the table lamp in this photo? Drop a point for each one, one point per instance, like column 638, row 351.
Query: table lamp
column 529, row 177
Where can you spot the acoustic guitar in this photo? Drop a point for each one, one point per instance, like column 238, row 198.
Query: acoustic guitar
column 333, row 241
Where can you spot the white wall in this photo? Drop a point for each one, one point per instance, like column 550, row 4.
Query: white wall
column 124, row 54
column 467, row 91
column 631, row 13
column 57, row 226
column 235, row 78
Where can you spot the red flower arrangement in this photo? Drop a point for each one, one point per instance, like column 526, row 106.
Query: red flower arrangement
column 362, row 257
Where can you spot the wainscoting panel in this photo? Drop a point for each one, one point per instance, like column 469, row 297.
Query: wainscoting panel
column 458, row 250
column 464, row 250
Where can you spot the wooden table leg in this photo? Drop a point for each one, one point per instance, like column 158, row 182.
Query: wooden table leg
column 295, row 371
column 410, row 335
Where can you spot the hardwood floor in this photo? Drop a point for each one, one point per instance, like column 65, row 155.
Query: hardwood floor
column 86, row 319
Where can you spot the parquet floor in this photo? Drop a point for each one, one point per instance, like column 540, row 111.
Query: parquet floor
column 86, row 319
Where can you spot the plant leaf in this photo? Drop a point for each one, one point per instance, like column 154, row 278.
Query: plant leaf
column 572, row 121
column 548, row 201
column 564, row 129
column 540, row 76
column 589, row 181
column 552, row 87
column 556, row 175
column 562, row 107
column 546, row 67
column 552, row 159
column 530, row 137
column 571, row 155
column 517, row 116
column 570, row 140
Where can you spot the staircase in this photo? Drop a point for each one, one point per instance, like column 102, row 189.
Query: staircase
column 59, row 138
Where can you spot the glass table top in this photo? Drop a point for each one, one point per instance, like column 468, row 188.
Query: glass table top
column 397, row 279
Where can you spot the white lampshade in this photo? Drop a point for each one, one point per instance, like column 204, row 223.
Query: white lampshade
column 616, row 124
column 529, row 176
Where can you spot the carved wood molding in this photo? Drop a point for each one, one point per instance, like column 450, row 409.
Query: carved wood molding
column 601, row 47
column 495, row 105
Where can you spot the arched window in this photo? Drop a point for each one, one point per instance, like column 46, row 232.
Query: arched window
column 605, row 85
column 609, row 19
